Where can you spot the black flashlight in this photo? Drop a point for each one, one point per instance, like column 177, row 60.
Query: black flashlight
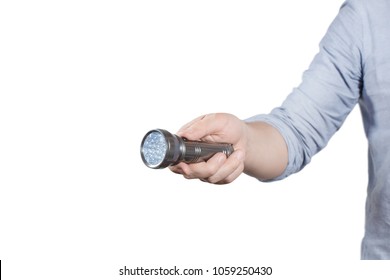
column 160, row 149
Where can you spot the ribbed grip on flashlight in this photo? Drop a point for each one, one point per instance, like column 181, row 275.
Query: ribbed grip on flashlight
column 195, row 151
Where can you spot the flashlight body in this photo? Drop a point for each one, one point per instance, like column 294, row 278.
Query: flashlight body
column 197, row 151
column 172, row 149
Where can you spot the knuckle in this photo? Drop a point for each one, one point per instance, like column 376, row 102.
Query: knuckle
column 212, row 170
column 188, row 174
column 213, row 180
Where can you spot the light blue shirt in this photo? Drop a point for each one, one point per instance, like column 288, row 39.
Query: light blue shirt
column 352, row 67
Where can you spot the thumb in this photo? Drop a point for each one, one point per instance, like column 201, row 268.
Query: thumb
column 199, row 128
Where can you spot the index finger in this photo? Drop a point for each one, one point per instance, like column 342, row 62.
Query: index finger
column 203, row 128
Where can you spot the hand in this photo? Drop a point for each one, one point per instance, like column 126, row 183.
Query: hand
column 221, row 128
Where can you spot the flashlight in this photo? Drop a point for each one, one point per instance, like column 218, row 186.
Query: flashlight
column 160, row 149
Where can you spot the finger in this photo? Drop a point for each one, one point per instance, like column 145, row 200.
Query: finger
column 230, row 170
column 185, row 127
column 203, row 170
column 188, row 171
column 182, row 168
column 203, row 128
column 232, row 176
column 210, row 168
column 176, row 169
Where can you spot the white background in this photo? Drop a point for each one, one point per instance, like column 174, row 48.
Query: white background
column 83, row 81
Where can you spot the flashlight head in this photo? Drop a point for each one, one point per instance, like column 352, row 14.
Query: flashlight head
column 153, row 149
column 160, row 149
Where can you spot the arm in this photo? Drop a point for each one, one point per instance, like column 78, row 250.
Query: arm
column 266, row 151
column 276, row 145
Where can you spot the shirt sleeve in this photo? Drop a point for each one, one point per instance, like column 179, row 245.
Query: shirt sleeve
column 330, row 88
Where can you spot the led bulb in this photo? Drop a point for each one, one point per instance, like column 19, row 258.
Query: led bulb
column 154, row 148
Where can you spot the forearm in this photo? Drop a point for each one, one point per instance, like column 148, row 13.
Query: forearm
column 266, row 151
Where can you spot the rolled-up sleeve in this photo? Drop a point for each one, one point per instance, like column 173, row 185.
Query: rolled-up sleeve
column 330, row 89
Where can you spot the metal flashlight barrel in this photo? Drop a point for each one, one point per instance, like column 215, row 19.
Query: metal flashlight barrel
column 197, row 151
